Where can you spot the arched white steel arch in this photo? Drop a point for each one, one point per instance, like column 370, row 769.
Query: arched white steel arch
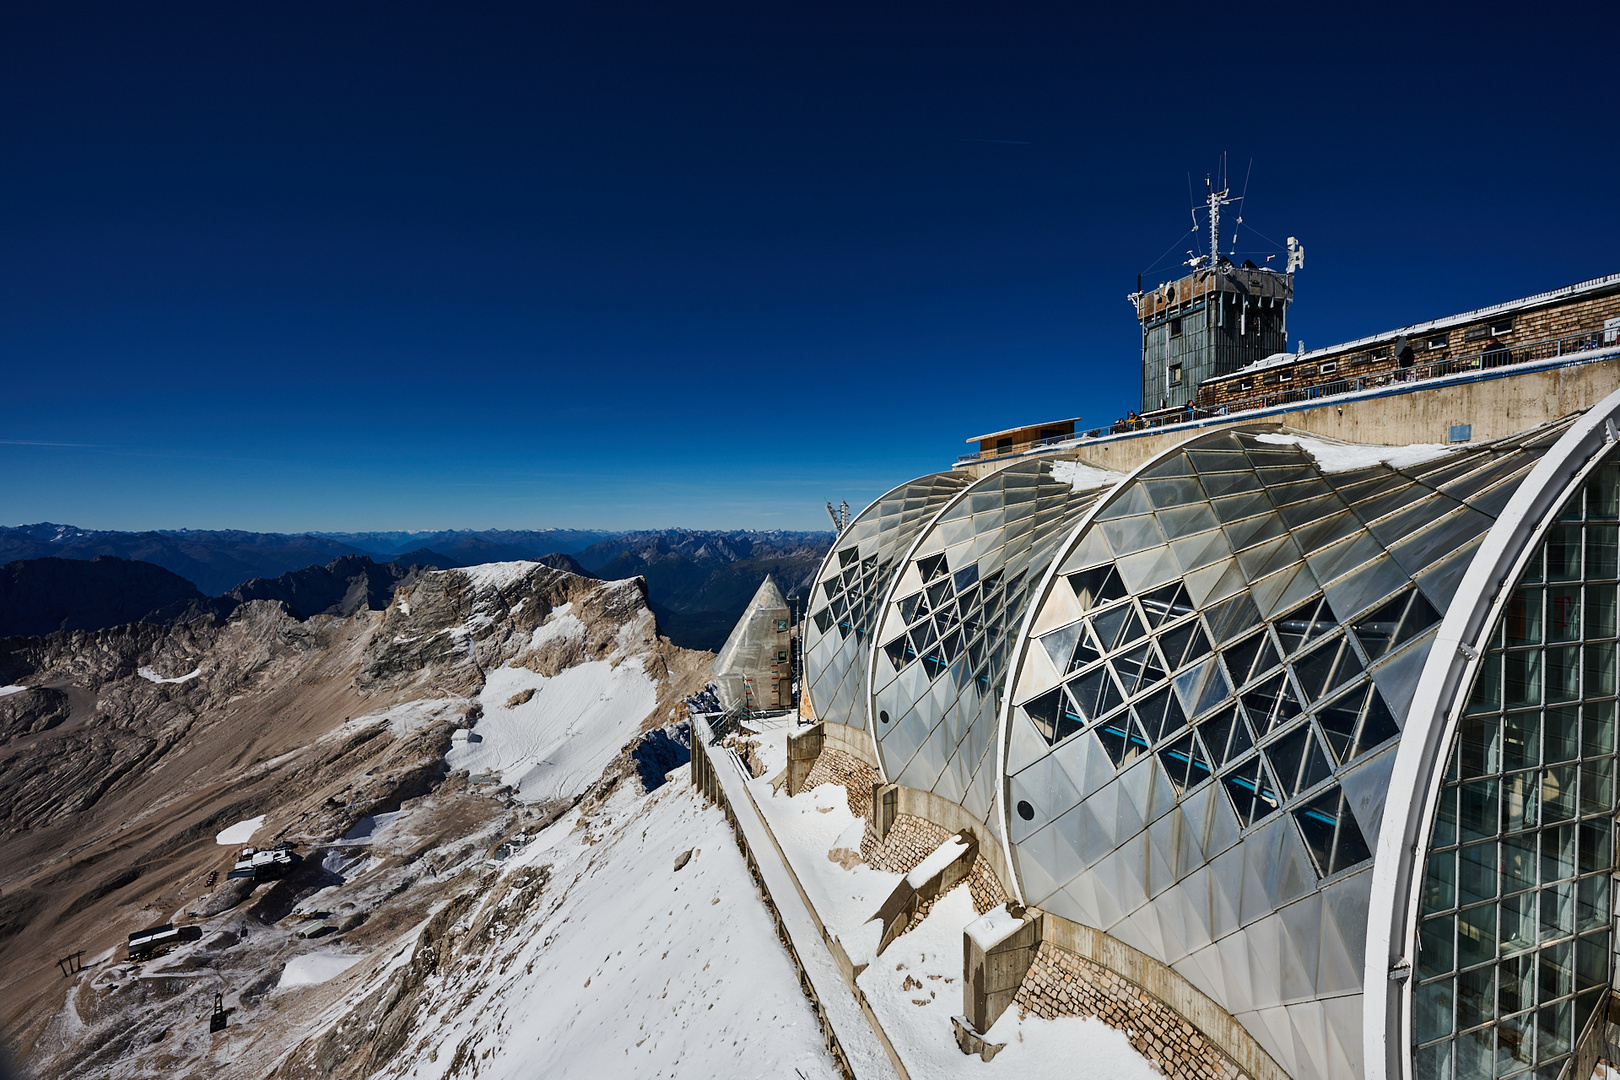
column 1431, row 722
column 1025, row 637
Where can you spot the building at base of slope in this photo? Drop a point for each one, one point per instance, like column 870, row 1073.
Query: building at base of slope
column 1309, row 739
column 754, row 667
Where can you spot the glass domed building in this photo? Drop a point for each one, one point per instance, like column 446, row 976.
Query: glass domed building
column 1328, row 730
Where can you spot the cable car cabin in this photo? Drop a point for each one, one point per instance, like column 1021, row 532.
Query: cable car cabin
column 265, row 865
column 145, row 944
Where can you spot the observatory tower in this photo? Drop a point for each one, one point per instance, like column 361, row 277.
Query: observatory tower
column 1216, row 319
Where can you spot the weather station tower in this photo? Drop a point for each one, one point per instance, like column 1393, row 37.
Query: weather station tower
column 1220, row 317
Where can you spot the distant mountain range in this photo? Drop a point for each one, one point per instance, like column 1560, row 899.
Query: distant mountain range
column 216, row 560
column 698, row 582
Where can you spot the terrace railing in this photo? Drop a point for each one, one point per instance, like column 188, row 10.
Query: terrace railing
column 1570, row 345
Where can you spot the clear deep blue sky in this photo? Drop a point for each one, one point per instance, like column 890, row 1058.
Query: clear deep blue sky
column 368, row 266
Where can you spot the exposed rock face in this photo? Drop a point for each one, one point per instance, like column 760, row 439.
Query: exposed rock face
column 37, row 709
column 39, row 596
column 132, row 747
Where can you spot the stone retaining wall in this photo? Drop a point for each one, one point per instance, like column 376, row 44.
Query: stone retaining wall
column 910, row 841
column 850, row 773
column 1060, row 983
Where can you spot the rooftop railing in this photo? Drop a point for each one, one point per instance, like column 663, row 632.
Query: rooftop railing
column 1570, row 345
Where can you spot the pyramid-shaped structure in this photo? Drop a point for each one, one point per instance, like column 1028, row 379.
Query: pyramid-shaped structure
column 754, row 661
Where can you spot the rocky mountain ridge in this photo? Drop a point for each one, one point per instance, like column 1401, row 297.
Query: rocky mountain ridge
column 123, row 751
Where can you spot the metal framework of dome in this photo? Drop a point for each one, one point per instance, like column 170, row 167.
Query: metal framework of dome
column 1328, row 729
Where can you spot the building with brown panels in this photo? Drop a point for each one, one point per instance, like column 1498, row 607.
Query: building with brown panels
column 1547, row 325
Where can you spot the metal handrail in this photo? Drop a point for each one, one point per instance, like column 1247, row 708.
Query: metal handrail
column 1484, row 359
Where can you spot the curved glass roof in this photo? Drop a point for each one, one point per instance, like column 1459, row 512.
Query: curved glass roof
column 1204, row 718
column 851, row 583
column 939, row 663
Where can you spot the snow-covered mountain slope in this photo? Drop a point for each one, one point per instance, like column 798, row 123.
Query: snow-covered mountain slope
column 589, row 955
column 126, row 752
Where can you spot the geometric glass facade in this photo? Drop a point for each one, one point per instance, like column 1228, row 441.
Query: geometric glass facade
column 951, row 619
column 1514, row 944
column 1205, row 679
column 1208, row 707
column 851, row 584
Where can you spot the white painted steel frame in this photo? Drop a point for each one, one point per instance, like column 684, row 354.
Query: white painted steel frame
column 1431, row 720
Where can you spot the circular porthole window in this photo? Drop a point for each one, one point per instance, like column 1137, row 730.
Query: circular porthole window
column 1026, row 811
column 883, row 716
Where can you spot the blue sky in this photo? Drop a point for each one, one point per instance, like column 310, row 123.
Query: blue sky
column 356, row 266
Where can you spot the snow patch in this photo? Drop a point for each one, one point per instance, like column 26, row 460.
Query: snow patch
column 241, row 832
column 316, row 967
column 497, row 575
column 622, row 967
column 555, row 744
column 7, row 691
column 992, row 928
column 151, row 676
column 943, row 856
column 561, row 624
column 366, row 829
column 1082, row 477
column 1337, row 457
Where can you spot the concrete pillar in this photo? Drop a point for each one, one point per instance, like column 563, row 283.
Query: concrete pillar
column 885, row 808
column 803, row 749
column 997, row 951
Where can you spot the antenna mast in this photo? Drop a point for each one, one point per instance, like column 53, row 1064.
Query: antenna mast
column 1217, row 199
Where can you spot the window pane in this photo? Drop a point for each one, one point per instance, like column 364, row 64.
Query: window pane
column 1521, row 740
column 1558, row 794
column 1557, row 913
column 1592, row 903
column 1521, row 801
column 1597, row 786
column 1433, row 1008
column 1558, row 853
column 1476, row 875
column 1600, row 669
column 1522, row 678
column 1435, row 953
column 1476, row 935
column 1478, row 809
column 1600, row 605
column 1597, row 728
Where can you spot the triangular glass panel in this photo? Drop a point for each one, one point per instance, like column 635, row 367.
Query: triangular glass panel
column 1376, row 630
column 1166, row 603
column 1304, row 624
column 1339, row 719
column 1059, row 644
column 932, row 567
column 1121, row 738
column 1331, row 833
column 1108, row 625
column 1043, row 712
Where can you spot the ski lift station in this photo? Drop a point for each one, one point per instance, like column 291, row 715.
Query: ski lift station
column 1288, row 706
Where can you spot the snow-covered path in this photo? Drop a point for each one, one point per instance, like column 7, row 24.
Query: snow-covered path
column 915, row 987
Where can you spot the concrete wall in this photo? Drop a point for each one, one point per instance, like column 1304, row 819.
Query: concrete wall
column 1166, row 985
column 1496, row 404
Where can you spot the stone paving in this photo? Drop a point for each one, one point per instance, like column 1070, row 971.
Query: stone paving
column 1060, row 983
